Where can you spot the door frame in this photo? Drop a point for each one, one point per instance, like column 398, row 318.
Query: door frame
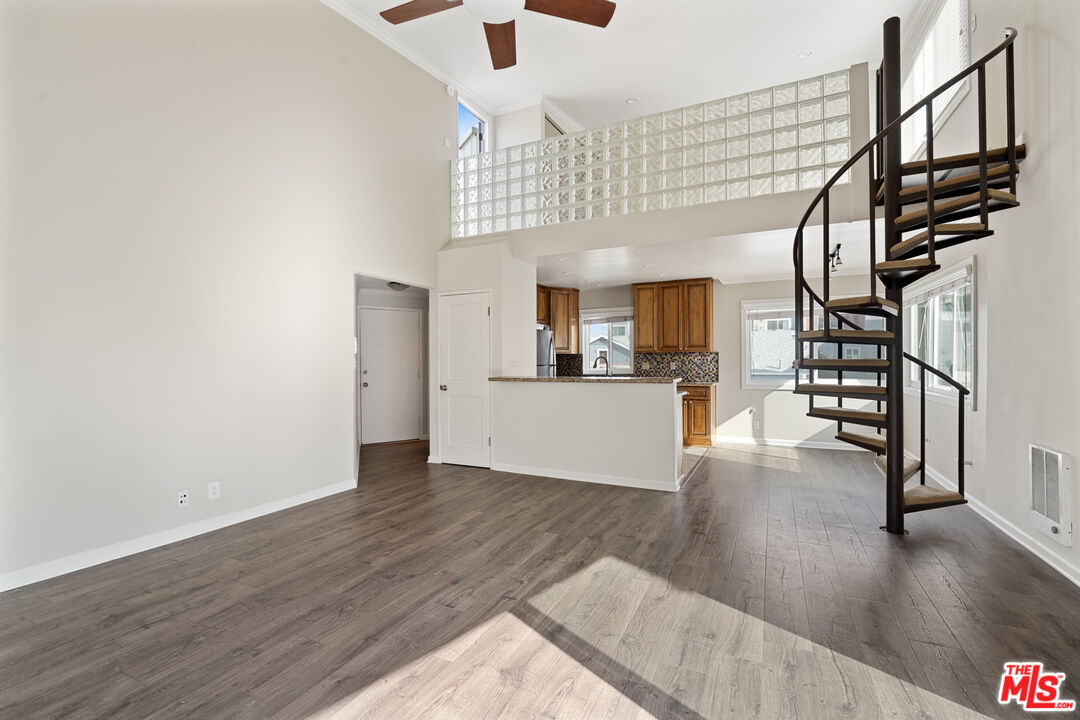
column 359, row 362
column 436, row 406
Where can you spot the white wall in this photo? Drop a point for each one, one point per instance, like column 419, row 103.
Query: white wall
column 188, row 191
column 638, row 424
column 781, row 414
column 1029, row 340
column 520, row 126
column 609, row 297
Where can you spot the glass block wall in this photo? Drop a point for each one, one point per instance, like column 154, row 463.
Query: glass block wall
column 784, row 138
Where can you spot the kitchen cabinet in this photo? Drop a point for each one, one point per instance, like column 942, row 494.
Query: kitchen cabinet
column 543, row 305
column 673, row 316
column 646, row 323
column 697, row 315
column 697, row 414
column 564, row 318
column 670, row 305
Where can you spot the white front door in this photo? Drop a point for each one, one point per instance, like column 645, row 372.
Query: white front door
column 464, row 367
column 390, row 382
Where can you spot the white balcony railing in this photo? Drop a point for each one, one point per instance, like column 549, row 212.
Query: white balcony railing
column 784, row 138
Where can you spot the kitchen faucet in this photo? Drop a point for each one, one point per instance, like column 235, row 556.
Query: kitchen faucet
column 607, row 365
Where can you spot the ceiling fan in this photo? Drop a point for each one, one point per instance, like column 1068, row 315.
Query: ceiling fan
column 498, row 17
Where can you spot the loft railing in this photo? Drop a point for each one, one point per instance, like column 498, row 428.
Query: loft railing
column 779, row 139
column 962, row 393
column 876, row 151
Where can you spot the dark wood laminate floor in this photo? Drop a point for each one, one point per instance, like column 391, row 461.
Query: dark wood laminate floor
column 763, row 589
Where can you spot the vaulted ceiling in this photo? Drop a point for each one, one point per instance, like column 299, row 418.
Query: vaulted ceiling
column 667, row 53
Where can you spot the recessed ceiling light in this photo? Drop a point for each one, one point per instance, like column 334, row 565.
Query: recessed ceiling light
column 664, row 274
column 568, row 273
column 631, row 101
column 805, row 54
column 563, row 259
column 650, row 266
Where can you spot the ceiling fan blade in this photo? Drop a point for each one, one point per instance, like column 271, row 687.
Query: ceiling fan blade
column 590, row 12
column 417, row 9
column 502, row 44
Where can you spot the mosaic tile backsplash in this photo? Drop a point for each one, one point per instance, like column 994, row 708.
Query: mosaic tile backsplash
column 568, row 365
column 690, row 366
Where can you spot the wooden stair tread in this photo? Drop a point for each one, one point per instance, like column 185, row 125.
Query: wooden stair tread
column 952, row 183
column 912, row 264
column 844, row 334
column 911, row 465
column 953, row 205
column 843, row 364
column 875, row 443
column 860, row 301
column 942, row 229
column 847, row 390
column 951, row 162
column 860, row 417
column 922, row 497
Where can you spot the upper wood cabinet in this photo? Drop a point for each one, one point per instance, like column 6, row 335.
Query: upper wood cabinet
column 543, row 305
column 564, row 318
column 646, row 322
column 697, row 315
column 673, row 316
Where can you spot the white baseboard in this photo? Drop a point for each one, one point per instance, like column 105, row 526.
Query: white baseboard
column 1063, row 566
column 434, row 459
column 587, row 477
column 89, row 558
column 808, row 444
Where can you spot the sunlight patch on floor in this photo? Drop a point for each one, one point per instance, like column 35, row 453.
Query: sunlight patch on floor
column 621, row 638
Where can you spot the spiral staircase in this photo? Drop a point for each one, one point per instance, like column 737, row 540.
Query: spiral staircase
column 927, row 205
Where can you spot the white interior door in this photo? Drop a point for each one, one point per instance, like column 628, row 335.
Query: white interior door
column 464, row 368
column 390, row 377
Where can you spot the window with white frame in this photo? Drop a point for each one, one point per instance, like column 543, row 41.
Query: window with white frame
column 940, row 328
column 768, row 346
column 939, row 51
column 607, row 337
column 472, row 139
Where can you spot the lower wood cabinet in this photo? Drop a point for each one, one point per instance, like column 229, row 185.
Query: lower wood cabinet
column 697, row 414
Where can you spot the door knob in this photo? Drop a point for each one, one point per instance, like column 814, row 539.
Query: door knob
column 442, row 387
column 364, row 385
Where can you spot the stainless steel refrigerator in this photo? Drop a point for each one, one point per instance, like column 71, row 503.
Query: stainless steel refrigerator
column 545, row 353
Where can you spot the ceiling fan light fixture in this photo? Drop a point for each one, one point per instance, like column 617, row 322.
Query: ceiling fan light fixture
column 495, row 12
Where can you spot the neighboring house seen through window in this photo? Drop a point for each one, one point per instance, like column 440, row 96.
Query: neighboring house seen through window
column 608, row 338
column 769, row 346
column 471, row 135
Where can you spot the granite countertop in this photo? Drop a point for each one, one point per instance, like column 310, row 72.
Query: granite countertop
column 696, row 384
column 623, row 379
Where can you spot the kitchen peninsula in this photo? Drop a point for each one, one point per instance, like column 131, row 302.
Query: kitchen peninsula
column 614, row 430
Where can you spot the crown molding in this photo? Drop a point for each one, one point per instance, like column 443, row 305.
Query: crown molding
column 347, row 11
column 562, row 118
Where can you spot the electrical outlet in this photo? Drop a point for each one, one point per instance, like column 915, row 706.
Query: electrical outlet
column 213, row 490
column 673, row 364
column 645, row 364
column 757, row 424
column 182, row 498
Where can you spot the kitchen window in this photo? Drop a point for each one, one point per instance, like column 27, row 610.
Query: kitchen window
column 769, row 346
column 940, row 328
column 608, row 337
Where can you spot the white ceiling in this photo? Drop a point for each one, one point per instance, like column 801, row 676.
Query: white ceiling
column 754, row 257
column 668, row 53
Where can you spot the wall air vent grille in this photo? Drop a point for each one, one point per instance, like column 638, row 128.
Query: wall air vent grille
column 1051, row 493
